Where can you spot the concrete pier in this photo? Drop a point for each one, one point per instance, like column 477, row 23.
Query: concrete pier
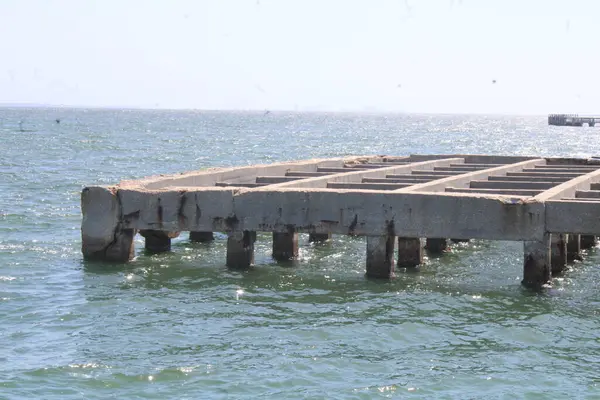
column 285, row 246
column 201, row 237
column 558, row 252
column 410, row 252
column 436, row 245
column 240, row 249
column 158, row 241
column 485, row 197
column 380, row 256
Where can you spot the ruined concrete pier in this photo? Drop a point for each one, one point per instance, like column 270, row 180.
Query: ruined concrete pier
column 412, row 202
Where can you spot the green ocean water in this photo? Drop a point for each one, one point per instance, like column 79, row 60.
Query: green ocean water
column 182, row 325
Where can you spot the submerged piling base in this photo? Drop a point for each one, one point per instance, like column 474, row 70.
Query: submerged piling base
column 285, row 246
column 436, row 245
column 410, row 252
column 380, row 256
column 536, row 266
column 318, row 237
column 574, row 248
column 201, row 237
column 240, row 249
column 158, row 241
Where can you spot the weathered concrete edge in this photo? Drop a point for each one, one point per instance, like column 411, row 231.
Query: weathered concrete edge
column 463, row 180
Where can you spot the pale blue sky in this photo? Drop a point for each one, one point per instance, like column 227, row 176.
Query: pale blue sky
column 385, row 55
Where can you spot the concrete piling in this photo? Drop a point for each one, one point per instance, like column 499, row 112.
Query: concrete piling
column 436, row 245
column 158, row 241
column 410, row 252
column 240, row 249
column 536, row 266
column 318, row 237
column 380, row 256
column 201, row 237
column 558, row 252
column 285, row 246
column 574, row 248
column 588, row 241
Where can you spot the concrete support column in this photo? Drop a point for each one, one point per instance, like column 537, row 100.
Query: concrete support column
column 201, row 237
column 285, row 246
column 380, row 256
column 436, row 245
column 240, row 249
column 574, row 248
column 102, row 235
column 410, row 252
column 158, row 241
column 536, row 263
column 588, row 241
column 318, row 237
column 558, row 253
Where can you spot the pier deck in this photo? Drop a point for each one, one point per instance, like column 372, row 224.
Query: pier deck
column 551, row 204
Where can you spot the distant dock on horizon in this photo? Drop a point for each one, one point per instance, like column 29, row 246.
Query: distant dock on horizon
column 572, row 120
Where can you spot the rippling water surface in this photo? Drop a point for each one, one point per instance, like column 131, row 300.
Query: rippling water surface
column 181, row 325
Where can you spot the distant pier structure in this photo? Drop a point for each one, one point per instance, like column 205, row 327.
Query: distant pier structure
column 572, row 120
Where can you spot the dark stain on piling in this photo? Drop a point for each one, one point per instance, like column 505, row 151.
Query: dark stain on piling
column 352, row 226
column 181, row 209
column 231, row 222
column 160, row 212
column 128, row 219
column 291, row 228
column 391, row 229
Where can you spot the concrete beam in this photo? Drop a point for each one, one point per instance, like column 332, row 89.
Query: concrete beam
column 587, row 194
column 577, row 217
column 369, row 186
column 530, row 178
column 357, row 176
column 276, row 179
column 556, row 171
column 473, row 158
column 417, row 176
column 363, row 212
column 513, row 192
column 512, row 185
column 549, row 175
column 463, row 180
column 395, row 180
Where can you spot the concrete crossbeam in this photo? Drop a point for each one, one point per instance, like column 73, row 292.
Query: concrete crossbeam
column 369, row 186
column 514, row 192
column 511, row 185
column 549, row 175
column 418, row 176
column 531, row 178
column 276, row 179
column 394, row 180
column 557, row 170
column 587, row 194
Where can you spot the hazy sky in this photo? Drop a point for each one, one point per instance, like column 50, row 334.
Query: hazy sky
column 385, row 55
